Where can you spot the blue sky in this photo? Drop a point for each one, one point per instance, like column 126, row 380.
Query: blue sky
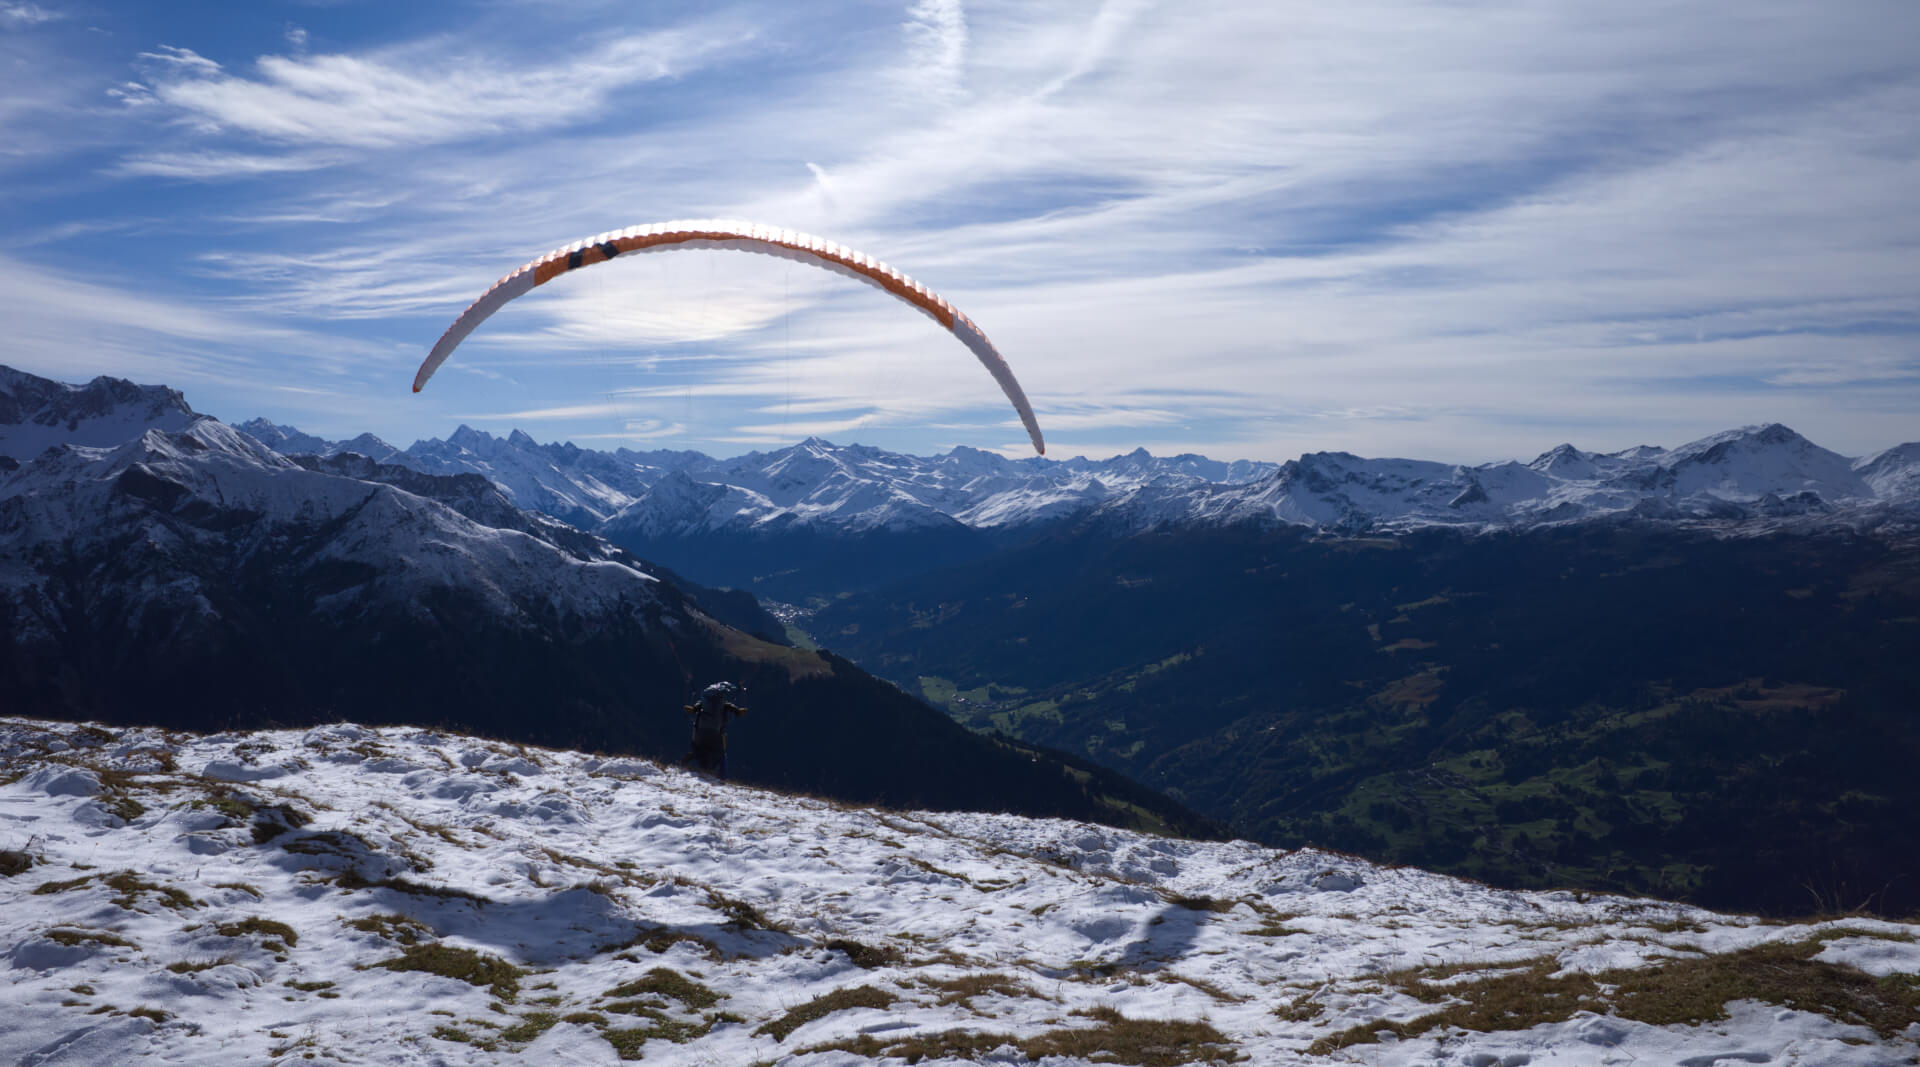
column 1462, row 231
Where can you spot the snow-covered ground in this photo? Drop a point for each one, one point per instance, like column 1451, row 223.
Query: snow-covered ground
column 399, row 896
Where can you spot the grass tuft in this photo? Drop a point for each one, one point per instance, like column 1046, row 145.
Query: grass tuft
column 950, row 1044
column 270, row 821
column 1140, row 1042
column 1689, row 991
column 87, row 937
column 1198, row 903
column 393, row 927
column 351, row 880
column 659, row 939
column 196, row 966
column 668, row 983
column 627, row 1041
column 963, row 989
column 123, row 806
column 255, row 925
column 740, row 914
column 459, row 1036
column 1117, row 1040
column 463, row 964
column 530, row 1026
column 866, row 957
column 822, row 1006
column 131, row 885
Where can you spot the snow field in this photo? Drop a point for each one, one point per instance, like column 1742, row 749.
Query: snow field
column 397, row 896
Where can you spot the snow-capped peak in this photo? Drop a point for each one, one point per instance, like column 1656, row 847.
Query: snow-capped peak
column 1754, row 472
column 38, row 413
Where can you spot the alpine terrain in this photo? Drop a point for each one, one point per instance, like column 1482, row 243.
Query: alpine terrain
column 408, row 896
column 1683, row 671
column 187, row 576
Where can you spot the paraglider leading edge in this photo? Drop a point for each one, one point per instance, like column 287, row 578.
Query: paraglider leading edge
column 745, row 237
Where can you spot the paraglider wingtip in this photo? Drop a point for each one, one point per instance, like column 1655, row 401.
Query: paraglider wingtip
column 416, row 387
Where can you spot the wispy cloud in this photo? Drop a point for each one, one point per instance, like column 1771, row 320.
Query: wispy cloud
column 571, row 411
column 65, row 325
column 381, row 100
column 1242, row 229
column 16, row 13
column 169, row 58
column 936, row 33
column 202, row 165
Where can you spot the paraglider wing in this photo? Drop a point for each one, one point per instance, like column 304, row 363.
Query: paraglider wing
column 744, row 237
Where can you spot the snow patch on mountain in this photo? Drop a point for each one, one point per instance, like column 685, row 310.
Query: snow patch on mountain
column 1755, row 473
column 1893, row 474
column 815, row 484
column 1751, row 474
column 37, row 413
column 212, row 493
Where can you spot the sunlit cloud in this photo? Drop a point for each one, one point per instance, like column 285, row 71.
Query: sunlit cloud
column 936, row 32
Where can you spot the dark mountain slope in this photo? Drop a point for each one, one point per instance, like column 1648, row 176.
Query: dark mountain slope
column 1618, row 705
column 196, row 580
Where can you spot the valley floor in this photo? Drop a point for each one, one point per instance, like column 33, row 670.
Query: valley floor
column 397, row 896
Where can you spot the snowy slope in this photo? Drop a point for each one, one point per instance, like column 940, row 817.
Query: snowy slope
column 213, row 489
column 38, row 413
column 291, row 442
column 404, row 897
column 1893, row 473
column 576, row 485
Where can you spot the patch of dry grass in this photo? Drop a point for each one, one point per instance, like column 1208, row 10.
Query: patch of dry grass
column 393, row 927
column 963, row 989
column 866, row 957
column 1116, row 1039
column 666, row 982
column 822, row 1006
column 85, row 937
column 268, row 928
column 462, row 964
column 1690, row 991
column 658, row 939
column 131, row 886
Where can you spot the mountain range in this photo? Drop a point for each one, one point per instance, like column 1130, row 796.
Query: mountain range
column 818, row 518
column 1752, row 472
column 188, row 576
column 1685, row 672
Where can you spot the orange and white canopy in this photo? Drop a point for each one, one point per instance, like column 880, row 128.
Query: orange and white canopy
column 743, row 237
